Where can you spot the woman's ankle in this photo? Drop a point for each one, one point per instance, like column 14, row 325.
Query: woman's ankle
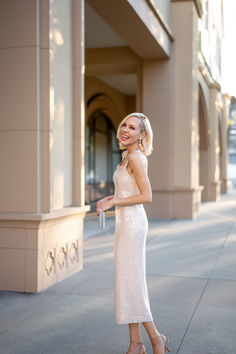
column 136, row 341
column 156, row 339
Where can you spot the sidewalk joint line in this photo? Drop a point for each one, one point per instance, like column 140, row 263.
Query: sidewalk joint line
column 221, row 249
column 190, row 321
column 206, row 285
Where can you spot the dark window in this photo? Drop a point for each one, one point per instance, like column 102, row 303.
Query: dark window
column 102, row 157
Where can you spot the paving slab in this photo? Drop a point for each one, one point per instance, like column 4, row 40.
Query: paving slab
column 75, row 324
column 98, row 252
column 212, row 331
column 192, row 285
column 171, row 318
column 175, row 289
column 94, row 282
column 221, row 293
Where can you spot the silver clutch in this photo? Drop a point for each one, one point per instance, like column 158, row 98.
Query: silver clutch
column 102, row 220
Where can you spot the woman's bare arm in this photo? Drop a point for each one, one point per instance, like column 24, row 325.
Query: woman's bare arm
column 139, row 172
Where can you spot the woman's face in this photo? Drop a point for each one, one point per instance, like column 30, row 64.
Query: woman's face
column 130, row 131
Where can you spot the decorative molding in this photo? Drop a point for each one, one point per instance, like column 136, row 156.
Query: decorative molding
column 178, row 190
column 160, row 18
column 197, row 4
column 227, row 96
column 63, row 256
column 60, row 213
column 50, row 262
column 206, row 73
column 74, row 252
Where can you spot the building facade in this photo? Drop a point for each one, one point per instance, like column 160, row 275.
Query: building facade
column 71, row 70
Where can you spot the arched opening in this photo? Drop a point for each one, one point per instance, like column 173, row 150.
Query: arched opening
column 203, row 145
column 102, row 156
column 221, row 157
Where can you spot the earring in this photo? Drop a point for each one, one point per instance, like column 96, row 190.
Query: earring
column 140, row 143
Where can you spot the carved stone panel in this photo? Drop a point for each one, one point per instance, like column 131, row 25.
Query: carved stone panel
column 63, row 256
column 74, row 252
column 50, row 262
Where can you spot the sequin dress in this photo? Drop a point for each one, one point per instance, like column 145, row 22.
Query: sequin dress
column 131, row 296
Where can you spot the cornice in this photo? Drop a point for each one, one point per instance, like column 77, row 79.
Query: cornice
column 206, row 73
column 227, row 96
column 160, row 18
column 197, row 3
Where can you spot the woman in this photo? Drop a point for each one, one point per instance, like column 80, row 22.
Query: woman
column 132, row 189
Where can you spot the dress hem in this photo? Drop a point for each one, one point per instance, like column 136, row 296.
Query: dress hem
column 135, row 320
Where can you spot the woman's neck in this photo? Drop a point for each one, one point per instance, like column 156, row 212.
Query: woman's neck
column 132, row 148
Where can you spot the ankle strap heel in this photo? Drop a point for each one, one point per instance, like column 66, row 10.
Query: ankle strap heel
column 141, row 347
column 165, row 341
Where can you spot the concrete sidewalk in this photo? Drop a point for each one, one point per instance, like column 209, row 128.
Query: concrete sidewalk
column 191, row 272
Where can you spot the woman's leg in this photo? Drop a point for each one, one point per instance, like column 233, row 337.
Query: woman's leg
column 134, row 333
column 156, row 338
column 136, row 345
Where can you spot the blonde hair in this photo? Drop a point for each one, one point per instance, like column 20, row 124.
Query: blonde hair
column 145, row 126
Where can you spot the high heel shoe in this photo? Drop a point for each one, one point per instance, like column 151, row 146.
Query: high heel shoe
column 165, row 342
column 139, row 349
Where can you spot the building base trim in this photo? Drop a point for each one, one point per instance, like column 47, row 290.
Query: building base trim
column 175, row 203
column 226, row 184
column 35, row 254
column 45, row 216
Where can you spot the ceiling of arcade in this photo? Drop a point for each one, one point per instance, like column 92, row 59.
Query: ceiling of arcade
column 118, row 36
column 107, row 56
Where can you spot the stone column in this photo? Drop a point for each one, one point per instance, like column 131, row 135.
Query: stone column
column 213, row 190
column 170, row 99
column 225, row 183
column 42, row 204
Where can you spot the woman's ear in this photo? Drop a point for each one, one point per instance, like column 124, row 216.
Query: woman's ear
column 142, row 135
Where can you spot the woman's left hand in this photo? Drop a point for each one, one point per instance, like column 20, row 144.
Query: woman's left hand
column 106, row 204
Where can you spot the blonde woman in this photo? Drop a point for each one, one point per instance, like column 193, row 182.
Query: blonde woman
column 132, row 190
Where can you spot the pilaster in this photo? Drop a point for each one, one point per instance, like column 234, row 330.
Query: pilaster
column 214, row 146
column 42, row 143
column 170, row 99
column 225, row 183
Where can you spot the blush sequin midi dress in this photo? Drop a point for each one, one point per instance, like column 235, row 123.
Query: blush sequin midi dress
column 131, row 296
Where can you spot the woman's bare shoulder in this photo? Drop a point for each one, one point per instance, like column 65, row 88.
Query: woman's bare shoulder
column 137, row 157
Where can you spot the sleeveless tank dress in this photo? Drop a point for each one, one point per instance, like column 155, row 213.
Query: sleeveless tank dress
column 131, row 296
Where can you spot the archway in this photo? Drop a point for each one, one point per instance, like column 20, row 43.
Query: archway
column 102, row 157
column 221, row 156
column 203, row 145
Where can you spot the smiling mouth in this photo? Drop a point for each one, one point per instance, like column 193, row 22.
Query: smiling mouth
column 124, row 137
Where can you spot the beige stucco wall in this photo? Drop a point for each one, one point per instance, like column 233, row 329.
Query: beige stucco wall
column 225, row 182
column 35, row 254
column 210, row 163
column 21, row 50
column 42, row 143
column 170, row 99
column 61, row 122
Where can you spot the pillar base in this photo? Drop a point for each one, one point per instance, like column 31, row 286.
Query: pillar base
column 214, row 191
column 175, row 204
column 226, row 185
column 39, row 250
